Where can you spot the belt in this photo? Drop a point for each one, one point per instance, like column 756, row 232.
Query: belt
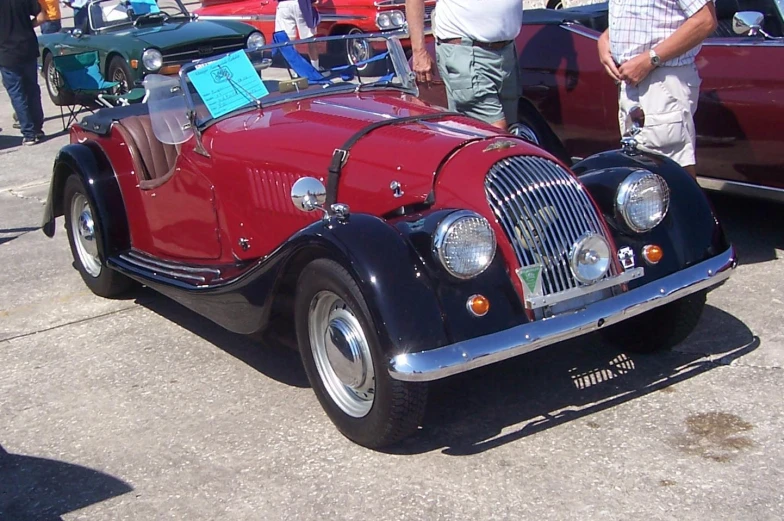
column 492, row 46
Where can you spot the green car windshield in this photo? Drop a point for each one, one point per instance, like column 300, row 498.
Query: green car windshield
column 218, row 86
column 105, row 14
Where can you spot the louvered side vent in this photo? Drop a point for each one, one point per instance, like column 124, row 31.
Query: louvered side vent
column 543, row 211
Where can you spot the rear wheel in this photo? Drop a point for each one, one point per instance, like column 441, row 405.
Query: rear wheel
column 53, row 83
column 344, row 363
column 83, row 228
column 659, row 329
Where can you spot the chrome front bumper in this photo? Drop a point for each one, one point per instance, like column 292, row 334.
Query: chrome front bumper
column 477, row 352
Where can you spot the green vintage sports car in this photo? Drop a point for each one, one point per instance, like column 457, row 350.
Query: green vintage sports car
column 139, row 37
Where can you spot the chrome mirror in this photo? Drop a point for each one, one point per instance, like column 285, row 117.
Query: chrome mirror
column 76, row 33
column 308, row 194
column 635, row 121
column 747, row 22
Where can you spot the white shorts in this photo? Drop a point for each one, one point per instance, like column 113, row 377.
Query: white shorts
column 668, row 96
column 288, row 17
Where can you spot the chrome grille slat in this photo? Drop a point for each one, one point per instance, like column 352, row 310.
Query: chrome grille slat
column 565, row 238
column 543, row 210
column 515, row 197
column 528, row 214
column 556, row 253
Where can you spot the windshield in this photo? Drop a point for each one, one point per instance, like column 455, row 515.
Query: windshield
column 283, row 71
column 111, row 13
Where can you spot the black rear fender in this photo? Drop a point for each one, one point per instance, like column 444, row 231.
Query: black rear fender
column 88, row 161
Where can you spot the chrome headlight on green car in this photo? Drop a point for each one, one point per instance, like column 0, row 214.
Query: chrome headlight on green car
column 152, row 59
column 255, row 41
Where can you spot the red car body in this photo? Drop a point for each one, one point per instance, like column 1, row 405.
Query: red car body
column 444, row 245
column 340, row 16
column 568, row 96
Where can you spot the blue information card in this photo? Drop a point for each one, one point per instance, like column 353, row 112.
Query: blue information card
column 227, row 83
column 144, row 6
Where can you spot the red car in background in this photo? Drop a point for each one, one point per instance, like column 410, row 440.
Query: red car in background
column 337, row 17
column 570, row 104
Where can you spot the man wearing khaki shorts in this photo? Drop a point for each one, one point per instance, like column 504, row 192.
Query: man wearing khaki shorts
column 475, row 53
column 649, row 50
column 293, row 16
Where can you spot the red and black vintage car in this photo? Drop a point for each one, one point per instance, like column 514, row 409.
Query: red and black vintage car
column 570, row 104
column 398, row 242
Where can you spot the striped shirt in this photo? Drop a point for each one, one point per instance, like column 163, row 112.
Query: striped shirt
column 636, row 26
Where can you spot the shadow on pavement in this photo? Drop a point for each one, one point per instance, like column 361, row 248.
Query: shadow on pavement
column 39, row 489
column 9, row 234
column 10, row 141
column 267, row 355
column 473, row 412
column 753, row 226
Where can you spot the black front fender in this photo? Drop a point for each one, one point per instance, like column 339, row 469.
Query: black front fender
column 89, row 162
column 690, row 233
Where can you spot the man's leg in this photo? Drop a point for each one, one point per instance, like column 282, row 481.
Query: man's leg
column 50, row 26
column 306, row 32
column 13, row 82
column 33, row 93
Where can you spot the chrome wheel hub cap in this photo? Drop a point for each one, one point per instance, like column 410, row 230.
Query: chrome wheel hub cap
column 341, row 354
column 358, row 50
column 83, row 232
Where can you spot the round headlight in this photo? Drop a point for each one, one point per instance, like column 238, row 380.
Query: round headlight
column 397, row 18
column 255, row 41
column 152, row 59
column 464, row 242
column 642, row 199
column 590, row 258
column 383, row 21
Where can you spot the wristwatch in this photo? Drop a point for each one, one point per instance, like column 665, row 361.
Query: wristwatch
column 655, row 60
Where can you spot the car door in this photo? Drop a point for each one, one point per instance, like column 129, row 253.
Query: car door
column 563, row 78
column 740, row 109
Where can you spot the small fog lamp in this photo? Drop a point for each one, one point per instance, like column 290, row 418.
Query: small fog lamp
column 590, row 258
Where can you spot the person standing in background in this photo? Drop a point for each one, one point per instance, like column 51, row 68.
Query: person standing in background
column 50, row 16
column 19, row 65
column 649, row 50
column 475, row 53
column 299, row 16
column 80, row 18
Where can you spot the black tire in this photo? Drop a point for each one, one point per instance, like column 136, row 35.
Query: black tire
column 52, row 80
column 118, row 70
column 659, row 329
column 102, row 280
column 555, row 4
column 367, row 52
column 546, row 138
column 397, row 407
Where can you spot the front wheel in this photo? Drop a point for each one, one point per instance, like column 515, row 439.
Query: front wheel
column 84, row 237
column 659, row 329
column 344, row 363
column 359, row 50
column 120, row 72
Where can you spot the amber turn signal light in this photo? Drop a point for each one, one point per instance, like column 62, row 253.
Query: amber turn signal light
column 478, row 305
column 652, row 254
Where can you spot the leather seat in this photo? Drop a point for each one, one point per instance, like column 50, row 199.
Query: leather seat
column 153, row 160
column 725, row 10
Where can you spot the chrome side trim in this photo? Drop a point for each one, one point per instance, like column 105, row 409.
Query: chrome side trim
column 740, row 188
column 470, row 354
column 579, row 291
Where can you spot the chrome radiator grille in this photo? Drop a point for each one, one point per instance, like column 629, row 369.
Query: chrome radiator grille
column 543, row 211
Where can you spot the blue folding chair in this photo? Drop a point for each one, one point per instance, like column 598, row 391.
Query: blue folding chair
column 79, row 77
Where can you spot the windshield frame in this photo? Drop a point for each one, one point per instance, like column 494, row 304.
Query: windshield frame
column 406, row 77
column 123, row 24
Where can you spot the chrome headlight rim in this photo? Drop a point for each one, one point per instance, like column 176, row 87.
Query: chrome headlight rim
column 626, row 189
column 442, row 234
column 255, row 41
column 578, row 247
column 152, row 59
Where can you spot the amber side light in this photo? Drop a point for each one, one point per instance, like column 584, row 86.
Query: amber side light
column 652, row 253
column 169, row 69
column 134, row 64
column 478, row 305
